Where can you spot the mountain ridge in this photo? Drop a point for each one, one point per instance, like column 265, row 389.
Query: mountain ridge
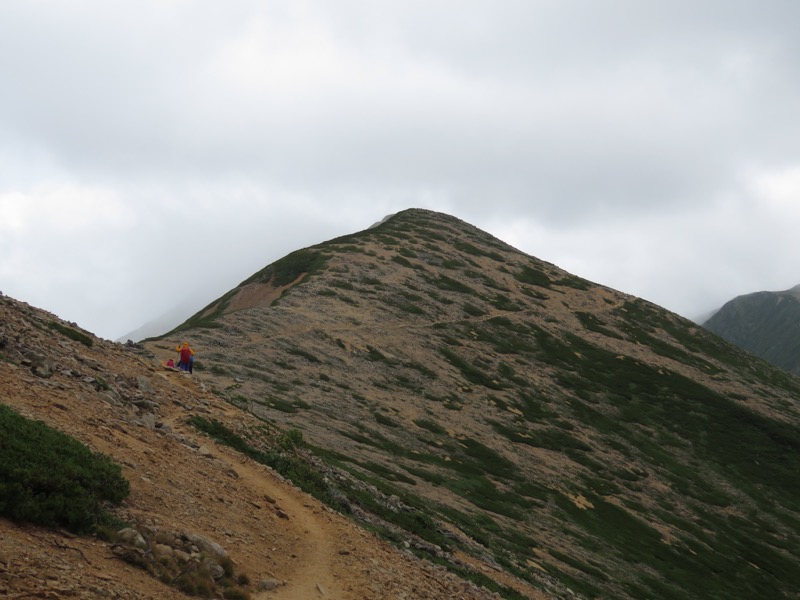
column 185, row 485
column 428, row 353
column 480, row 410
column 764, row 323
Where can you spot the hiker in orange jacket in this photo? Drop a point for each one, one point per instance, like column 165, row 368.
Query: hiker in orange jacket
column 186, row 361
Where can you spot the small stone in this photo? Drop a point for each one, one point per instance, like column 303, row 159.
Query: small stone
column 267, row 585
column 131, row 537
column 148, row 421
column 214, row 568
column 143, row 383
column 162, row 551
column 43, row 371
column 206, row 545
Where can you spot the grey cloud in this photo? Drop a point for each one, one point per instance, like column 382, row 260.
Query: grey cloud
column 612, row 116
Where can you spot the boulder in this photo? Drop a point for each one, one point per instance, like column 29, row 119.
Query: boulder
column 131, row 537
column 203, row 544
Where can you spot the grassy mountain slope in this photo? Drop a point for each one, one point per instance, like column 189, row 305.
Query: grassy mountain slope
column 764, row 323
column 122, row 479
column 558, row 432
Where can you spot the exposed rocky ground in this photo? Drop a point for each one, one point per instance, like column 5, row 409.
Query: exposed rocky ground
column 187, row 492
column 508, row 427
column 581, row 439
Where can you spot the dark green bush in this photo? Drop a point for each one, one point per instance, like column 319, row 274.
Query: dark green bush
column 402, row 261
column 533, row 276
column 451, row 285
column 283, row 458
column 51, row 479
column 431, row 426
column 384, row 420
column 287, row 269
column 303, row 354
column 473, row 310
column 470, row 372
column 290, row 440
column 72, row 334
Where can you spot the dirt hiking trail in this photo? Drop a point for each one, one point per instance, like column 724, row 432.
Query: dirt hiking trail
column 284, row 542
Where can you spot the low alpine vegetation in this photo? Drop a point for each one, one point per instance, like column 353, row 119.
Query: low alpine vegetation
column 50, row 479
column 71, row 333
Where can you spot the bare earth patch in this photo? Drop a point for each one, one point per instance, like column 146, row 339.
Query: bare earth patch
column 277, row 535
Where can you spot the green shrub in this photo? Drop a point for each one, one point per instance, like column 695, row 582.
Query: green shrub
column 235, row 593
column 287, row 269
column 71, row 333
column 593, row 323
column 402, row 261
column 403, row 305
column 503, row 302
column 451, row 285
column 431, row 426
column 51, row 479
column 574, row 282
column 341, row 284
column 470, row 372
column 290, row 440
column 533, row 276
column 422, row 369
column 473, row 310
column 467, row 247
column 286, row 406
column 288, row 464
column 384, row 420
column 303, row 354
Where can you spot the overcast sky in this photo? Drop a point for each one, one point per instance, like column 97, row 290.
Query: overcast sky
column 155, row 153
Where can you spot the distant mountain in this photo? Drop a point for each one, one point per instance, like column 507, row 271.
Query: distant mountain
column 160, row 324
column 700, row 319
column 764, row 323
column 495, row 414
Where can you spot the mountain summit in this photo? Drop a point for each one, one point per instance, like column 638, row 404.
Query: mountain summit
column 417, row 410
column 567, row 435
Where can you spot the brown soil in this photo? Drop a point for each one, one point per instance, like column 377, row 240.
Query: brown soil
column 271, row 530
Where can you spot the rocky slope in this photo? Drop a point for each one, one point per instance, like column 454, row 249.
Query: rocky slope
column 575, row 439
column 764, row 323
column 188, row 493
column 467, row 421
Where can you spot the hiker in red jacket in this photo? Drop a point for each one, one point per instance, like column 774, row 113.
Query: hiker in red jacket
column 186, row 361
